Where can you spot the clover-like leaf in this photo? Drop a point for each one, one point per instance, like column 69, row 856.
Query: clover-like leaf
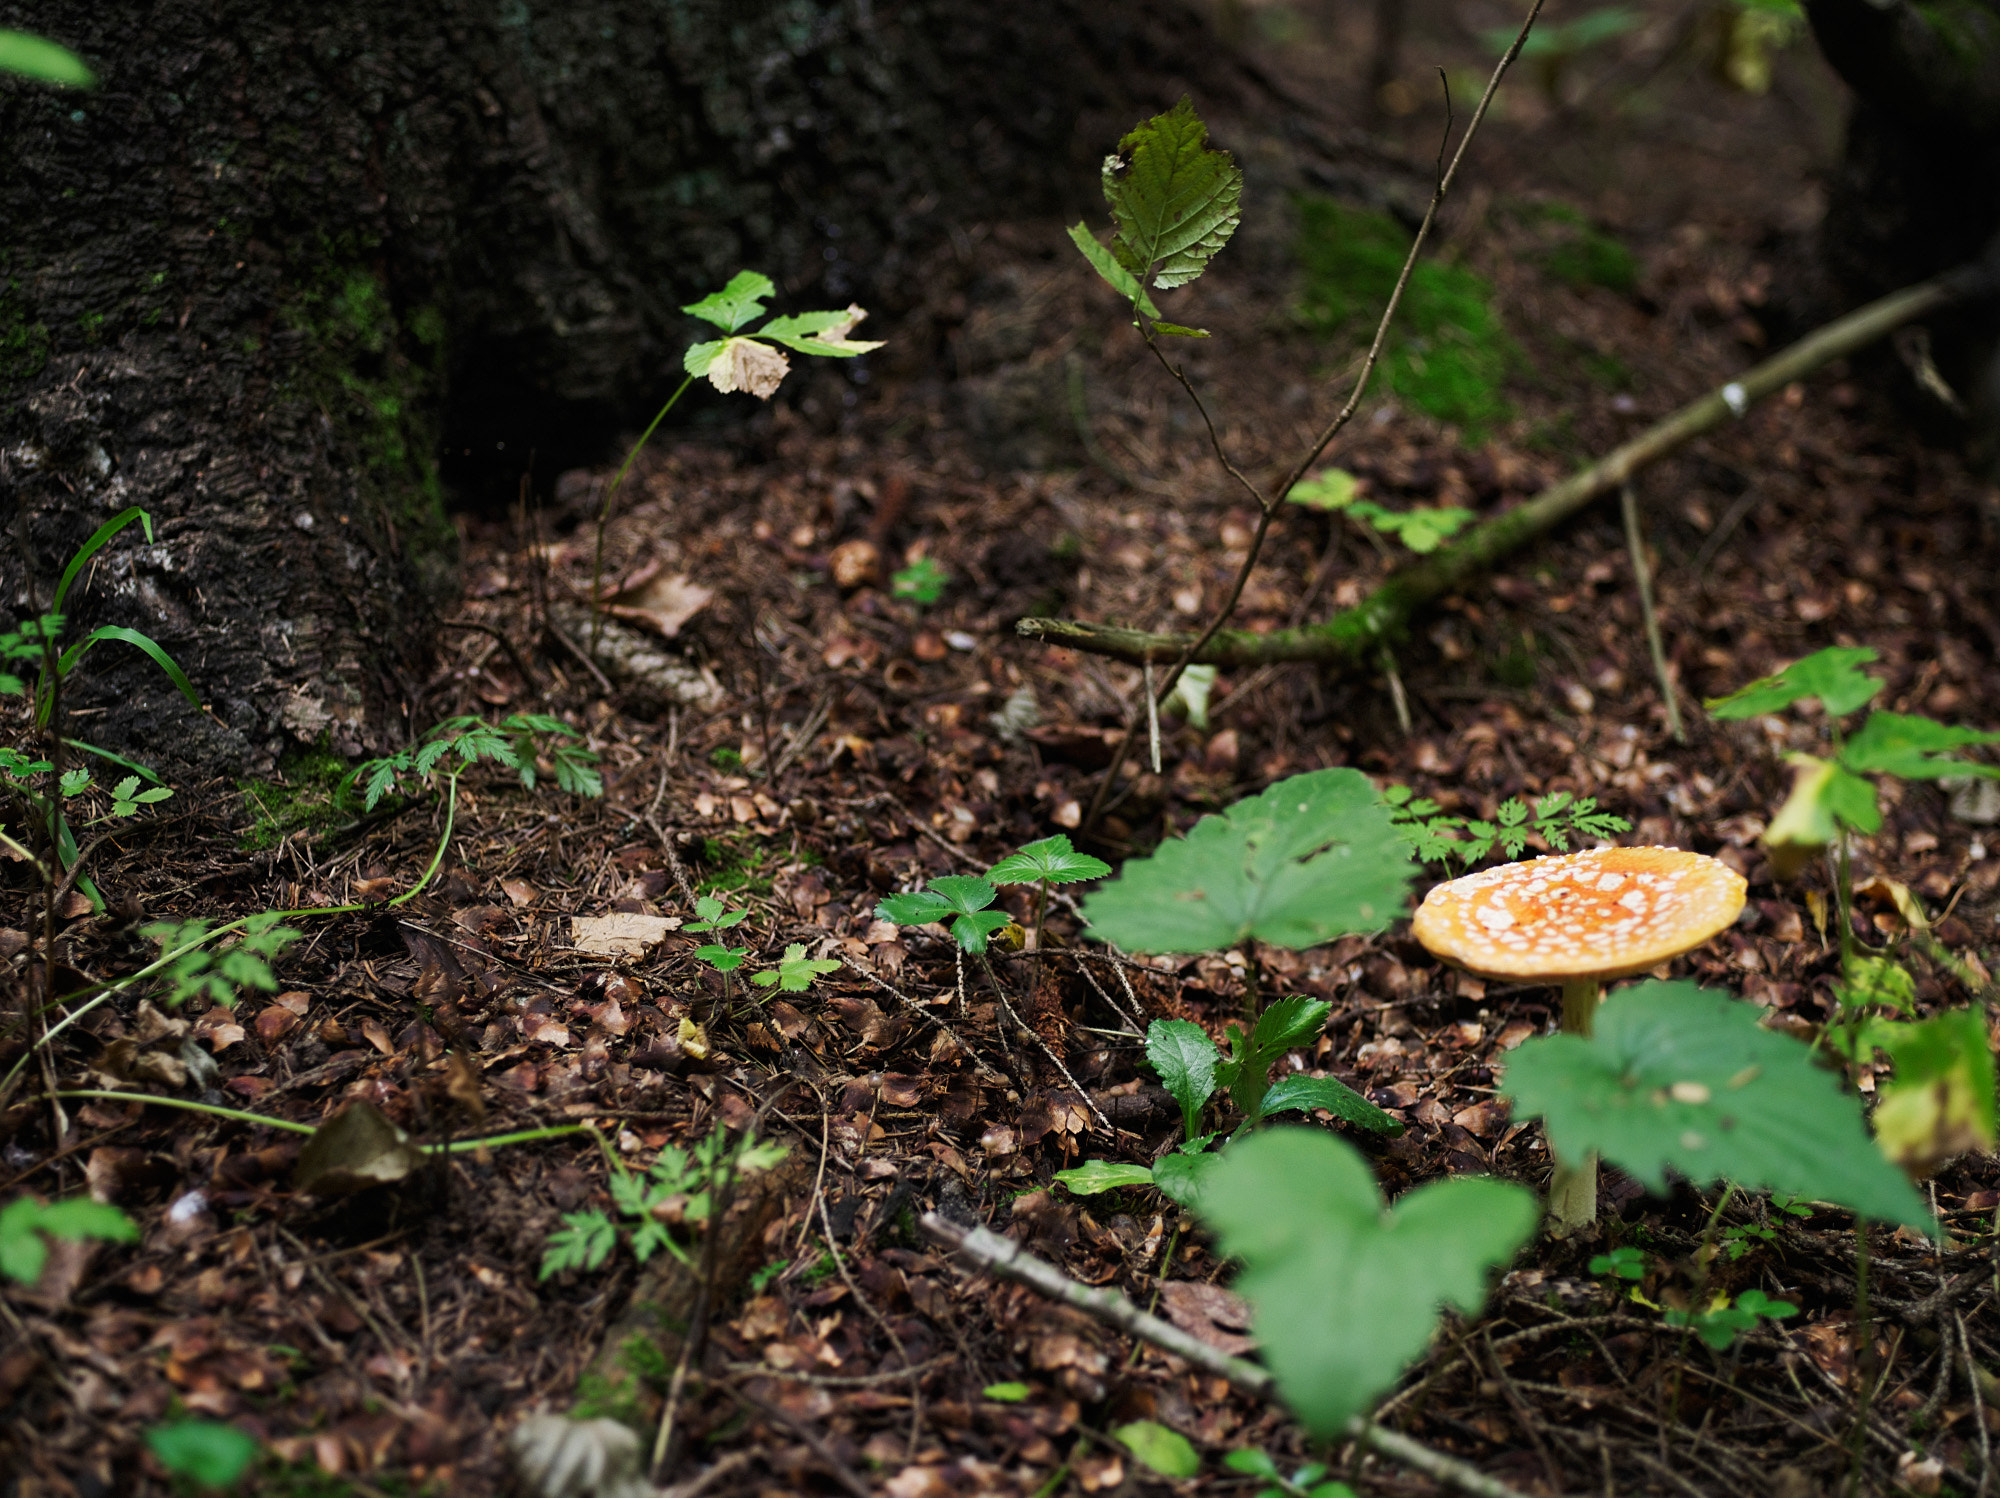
column 919, row 908
column 1678, row 1077
column 1329, row 489
column 1052, row 859
column 733, row 306
column 1313, row 858
column 1913, row 748
column 795, row 971
column 1176, row 199
column 1832, row 675
column 1345, row 1291
column 1183, row 1055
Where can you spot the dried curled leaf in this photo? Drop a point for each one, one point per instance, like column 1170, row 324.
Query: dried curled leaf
column 739, row 364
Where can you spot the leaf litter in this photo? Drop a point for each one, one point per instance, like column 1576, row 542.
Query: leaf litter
column 400, row 1336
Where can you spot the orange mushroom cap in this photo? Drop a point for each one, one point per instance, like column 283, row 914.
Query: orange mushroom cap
column 1604, row 913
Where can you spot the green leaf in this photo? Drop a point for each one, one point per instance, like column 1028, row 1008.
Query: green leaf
column 1681, row 1078
column 1094, row 1176
column 795, row 971
column 973, row 929
column 1175, row 198
column 1941, row 1101
column 22, row 1252
column 1853, row 801
column 211, row 1453
column 1329, row 489
column 922, row 908
column 1313, row 858
column 1345, row 1291
column 1190, row 698
column 1181, row 1177
column 1247, row 1073
column 964, row 893
column 140, row 642
column 1626, row 1263
column 1183, row 1055
column 1832, row 675
column 922, row 582
column 730, row 308
column 1253, row 1463
column 1332, row 1094
column 584, row 1242
column 820, row 333
column 1913, row 748
column 722, row 959
column 1115, row 275
column 1052, row 859
column 1175, row 330
column 1005, row 1393
column 713, row 915
column 1167, row 1452
column 37, row 57
column 1876, row 980
column 104, row 533
column 1423, row 531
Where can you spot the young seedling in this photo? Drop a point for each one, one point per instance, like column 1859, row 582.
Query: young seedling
column 1051, row 861
column 752, row 362
column 956, row 901
column 1722, row 1323
column 1309, row 1481
column 1626, row 1263
column 795, row 971
column 207, row 1452
column 711, row 915
column 1579, row 920
column 922, row 582
column 512, row 743
column 724, row 960
column 677, row 1189
column 221, row 976
column 1336, row 492
column 1442, row 839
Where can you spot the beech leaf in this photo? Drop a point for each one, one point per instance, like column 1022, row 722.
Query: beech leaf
column 1175, row 198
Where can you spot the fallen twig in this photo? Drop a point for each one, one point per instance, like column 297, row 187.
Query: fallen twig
column 1009, row 1260
column 1351, row 636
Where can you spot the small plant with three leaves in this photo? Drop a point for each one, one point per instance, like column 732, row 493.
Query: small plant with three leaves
column 955, row 901
column 1941, row 1100
column 1309, row 1481
column 1335, row 491
column 678, row 1189
column 1724, row 1320
column 1050, row 861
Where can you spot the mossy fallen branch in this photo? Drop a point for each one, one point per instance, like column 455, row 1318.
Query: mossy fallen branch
column 1353, row 635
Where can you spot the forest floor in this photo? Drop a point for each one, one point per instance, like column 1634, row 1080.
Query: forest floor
column 1634, row 226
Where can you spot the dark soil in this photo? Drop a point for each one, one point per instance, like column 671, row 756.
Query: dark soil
column 855, row 746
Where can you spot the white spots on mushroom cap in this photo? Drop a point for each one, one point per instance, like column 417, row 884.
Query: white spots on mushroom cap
column 1605, row 912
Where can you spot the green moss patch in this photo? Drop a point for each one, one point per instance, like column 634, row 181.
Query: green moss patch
column 304, row 796
column 1577, row 253
column 1447, row 354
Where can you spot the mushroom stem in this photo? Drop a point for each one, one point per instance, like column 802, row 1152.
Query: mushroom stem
column 1573, row 1188
column 1580, row 998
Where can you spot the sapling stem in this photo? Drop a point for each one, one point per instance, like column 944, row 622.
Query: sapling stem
column 1642, row 576
column 604, row 511
column 1573, row 1187
column 188, row 1105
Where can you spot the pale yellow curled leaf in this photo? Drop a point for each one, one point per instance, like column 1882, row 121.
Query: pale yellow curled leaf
column 1804, row 825
column 693, row 1039
column 620, row 934
column 731, row 364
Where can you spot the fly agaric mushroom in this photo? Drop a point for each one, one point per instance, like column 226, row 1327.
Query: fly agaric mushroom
column 1578, row 920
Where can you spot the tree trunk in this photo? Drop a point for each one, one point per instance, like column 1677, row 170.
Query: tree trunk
column 1918, row 190
column 290, row 275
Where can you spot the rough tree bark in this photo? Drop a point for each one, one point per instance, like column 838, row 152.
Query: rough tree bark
column 1918, row 189
column 291, row 272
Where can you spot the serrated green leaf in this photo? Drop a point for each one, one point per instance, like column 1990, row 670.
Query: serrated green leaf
column 820, row 333
column 1175, row 198
column 1115, row 275
column 1913, row 748
column 1184, row 1057
column 964, row 893
column 795, row 971
column 1332, row 1094
column 974, row 928
column 1832, row 675
column 733, row 306
column 1093, row 1176
column 1052, row 859
column 1677, row 1077
column 1867, row 979
column 1167, row 1452
column 211, row 1453
column 919, row 908
column 1313, row 858
column 583, row 1242
column 1345, row 1291
column 1940, row 1103
column 1290, row 1022
column 722, row 959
